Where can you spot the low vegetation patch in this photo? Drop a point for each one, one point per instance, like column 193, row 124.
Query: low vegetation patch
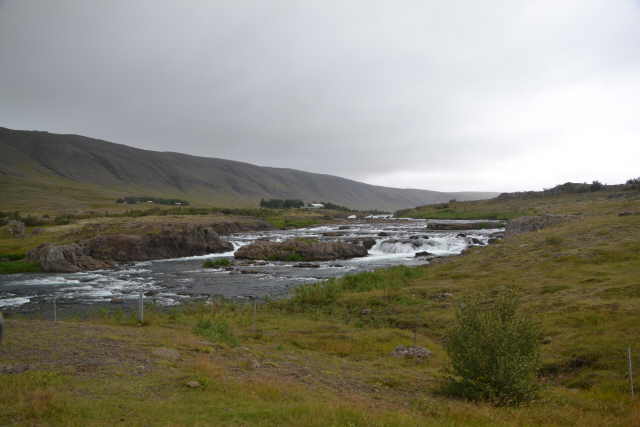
column 217, row 263
column 21, row 266
column 293, row 222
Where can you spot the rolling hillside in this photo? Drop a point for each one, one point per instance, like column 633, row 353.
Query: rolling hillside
column 72, row 170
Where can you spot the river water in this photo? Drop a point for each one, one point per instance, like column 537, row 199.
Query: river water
column 172, row 281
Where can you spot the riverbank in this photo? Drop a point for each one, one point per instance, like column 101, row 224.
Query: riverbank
column 324, row 356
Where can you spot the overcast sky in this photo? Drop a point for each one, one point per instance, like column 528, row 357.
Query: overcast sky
column 443, row 95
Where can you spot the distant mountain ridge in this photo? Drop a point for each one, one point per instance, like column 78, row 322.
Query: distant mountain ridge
column 57, row 160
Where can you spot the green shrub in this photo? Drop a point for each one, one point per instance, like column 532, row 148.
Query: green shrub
column 62, row 220
column 216, row 331
column 12, row 257
column 13, row 267
column 294, row 257
column 217, row 263
column 494, row 351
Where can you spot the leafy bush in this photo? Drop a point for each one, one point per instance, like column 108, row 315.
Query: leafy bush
column 217, row 263
column 216, row 331
column 494, row 351
column 633, row 184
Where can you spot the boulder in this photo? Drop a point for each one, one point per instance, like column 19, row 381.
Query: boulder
column 442, row 296
column 411, row 352
column 423, row 254
column 367, row 242
column 416, row 243
column 301, row 250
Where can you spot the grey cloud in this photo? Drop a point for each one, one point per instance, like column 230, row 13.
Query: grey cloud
column 450, row 95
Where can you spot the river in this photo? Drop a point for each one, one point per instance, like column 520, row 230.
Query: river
column 173, row 281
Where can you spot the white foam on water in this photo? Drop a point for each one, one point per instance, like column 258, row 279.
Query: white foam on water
column 321, row 229
column 444, row 246
column 48, row 281
column 305, row 279
column 134, row 270
column 14, row 302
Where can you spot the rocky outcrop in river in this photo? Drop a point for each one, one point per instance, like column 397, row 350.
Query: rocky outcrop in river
column 108, row 250
column 301, row 250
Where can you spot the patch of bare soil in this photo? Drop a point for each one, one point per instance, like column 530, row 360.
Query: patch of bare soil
column 81, row 348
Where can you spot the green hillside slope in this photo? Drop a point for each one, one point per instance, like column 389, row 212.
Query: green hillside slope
column 32, row 164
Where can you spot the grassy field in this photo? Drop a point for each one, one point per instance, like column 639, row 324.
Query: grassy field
column 323, row 357
column 595, row 203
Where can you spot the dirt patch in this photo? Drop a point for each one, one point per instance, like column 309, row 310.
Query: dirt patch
column 70, row 347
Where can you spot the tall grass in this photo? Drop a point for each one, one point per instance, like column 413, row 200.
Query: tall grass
column 327, row 293
column 216, row 330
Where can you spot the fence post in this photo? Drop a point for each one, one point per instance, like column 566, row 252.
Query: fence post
column 255, row 308
column 141, row 307
column 630, row 367
column 1, row 327
column 55, row 309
